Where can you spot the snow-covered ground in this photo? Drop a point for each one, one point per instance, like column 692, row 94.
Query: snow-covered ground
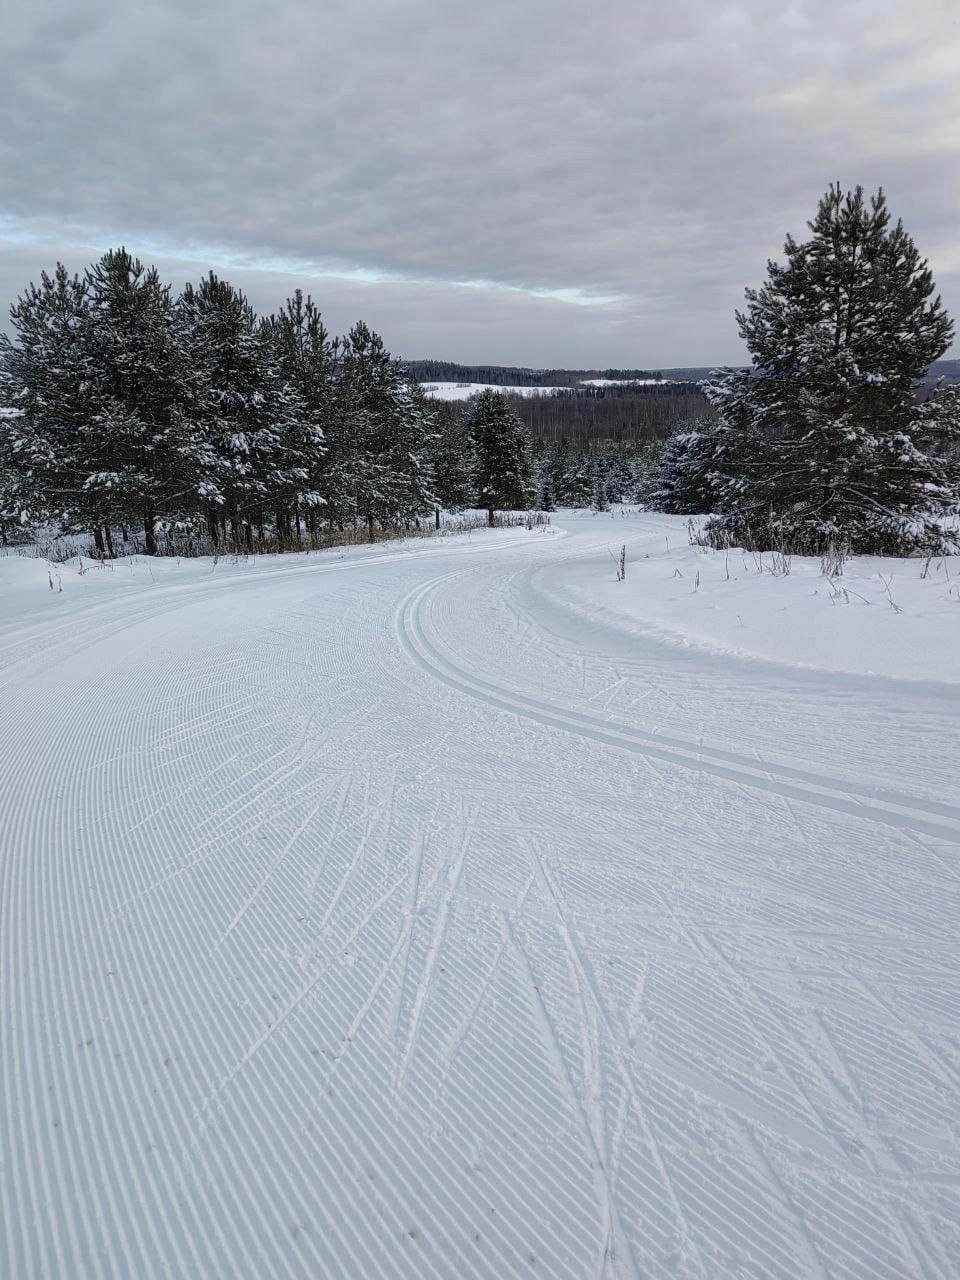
column 877, row 616
column 464, row 390
column 625, row 382
column 453, row 909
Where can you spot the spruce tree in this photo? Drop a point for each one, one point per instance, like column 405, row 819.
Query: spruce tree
column 578, row 481
column 619, row 474
column 559, row 466
column 546, row 484
column 598, row 481
column 504, row 474
column 704, row 467
column 824, row 439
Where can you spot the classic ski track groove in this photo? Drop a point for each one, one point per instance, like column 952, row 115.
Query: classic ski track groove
column 294, row 983
column 873, row 803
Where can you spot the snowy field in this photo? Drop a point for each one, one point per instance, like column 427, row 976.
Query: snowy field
column 625, row 382
column 464, row 390
column 451, row 909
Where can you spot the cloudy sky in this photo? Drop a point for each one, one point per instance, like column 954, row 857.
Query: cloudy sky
column 546, row 182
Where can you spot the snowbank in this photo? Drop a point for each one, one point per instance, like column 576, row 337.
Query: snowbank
column 880, row 616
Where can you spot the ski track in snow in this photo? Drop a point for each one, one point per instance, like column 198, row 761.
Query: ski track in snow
column 398, row 918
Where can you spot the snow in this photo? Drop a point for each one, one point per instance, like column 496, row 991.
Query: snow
column 451, row 909
column 880, row 616
column 625, row 382
column 464, row 390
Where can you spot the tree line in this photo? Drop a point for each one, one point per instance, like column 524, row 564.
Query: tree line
column 198, row 424
column 598, row 474
column 622, row 413
column 501, row 375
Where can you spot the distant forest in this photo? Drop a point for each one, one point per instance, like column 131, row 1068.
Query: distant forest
column 502, row 375
column 631, row 413
column 622, row 415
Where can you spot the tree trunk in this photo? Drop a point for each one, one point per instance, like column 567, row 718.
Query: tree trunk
column 490, row 518
column 436, row 516
column 98, row 541
column 369, row 526
column 149, row 532
column 108, row 538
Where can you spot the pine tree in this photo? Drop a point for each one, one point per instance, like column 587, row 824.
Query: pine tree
column 826, row 433
column 704, row 467
column 645, row 474
column 454, row 459
column 504, row 459
column 18, row 499
column 138, row 437
column 44, row 404
column 619, row 474
column 391, row 425
column 598, row 481
column 578, row 481
column 256, row 437
column 307, row 361
column 546, row 485
column 559, row 466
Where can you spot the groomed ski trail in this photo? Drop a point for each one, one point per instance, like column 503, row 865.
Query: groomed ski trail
column 397, row 917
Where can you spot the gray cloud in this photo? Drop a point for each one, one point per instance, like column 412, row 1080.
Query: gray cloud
column 643, row 159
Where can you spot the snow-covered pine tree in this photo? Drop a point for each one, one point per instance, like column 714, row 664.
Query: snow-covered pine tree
column 577, row 481
column 392, row 424
column 454, row 460
column 16, row 497
column 619, row 474
column 702, row 467
column 43, row 403
column 644, row 473
column 832, row 441
column 296, row 456
column 258, row 440
column 504, row 459
column 558, row 466
column 139, row 443
column 545, row 472
column 307, row 361
column 598, row 481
